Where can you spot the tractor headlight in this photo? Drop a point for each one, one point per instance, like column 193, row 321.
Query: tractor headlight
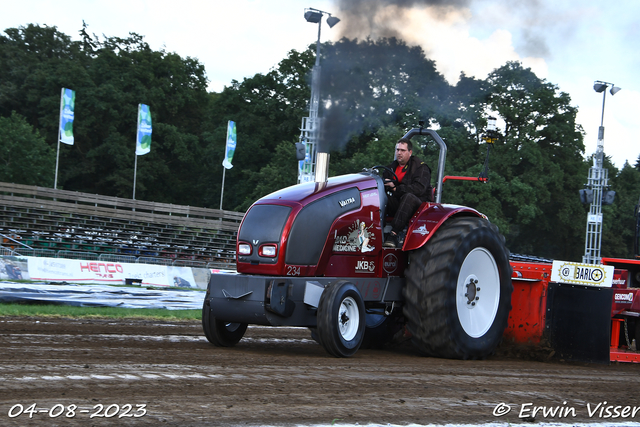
column 268, row 250
column 244, row 249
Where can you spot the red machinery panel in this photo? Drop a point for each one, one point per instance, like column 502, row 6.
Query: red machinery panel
column 529, row 301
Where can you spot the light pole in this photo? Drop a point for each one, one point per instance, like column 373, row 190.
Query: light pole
column 310, row 125
column 596, row 183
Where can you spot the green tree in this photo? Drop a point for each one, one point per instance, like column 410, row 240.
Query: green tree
column 538, row 166
column 111, row 77
column 25, row 157
column 618, row 223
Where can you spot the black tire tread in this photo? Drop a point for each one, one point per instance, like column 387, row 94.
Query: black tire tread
column 325, row 329
column 215, row 330
column 428, row 297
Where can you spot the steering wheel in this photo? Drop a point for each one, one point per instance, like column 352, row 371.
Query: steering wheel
column 395, row 179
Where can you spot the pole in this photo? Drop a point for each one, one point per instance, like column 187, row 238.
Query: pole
column 55, row 180
column 135, row 171
column 318, row 43
column 310, row 125
column 224, row 170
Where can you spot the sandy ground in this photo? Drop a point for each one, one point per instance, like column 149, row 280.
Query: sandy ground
column 170, row 375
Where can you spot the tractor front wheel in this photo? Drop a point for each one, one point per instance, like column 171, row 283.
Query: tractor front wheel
column 341, row 319
column 219, row 332
column 458, row 290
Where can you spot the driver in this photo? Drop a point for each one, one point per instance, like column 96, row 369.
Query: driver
column 412, row 189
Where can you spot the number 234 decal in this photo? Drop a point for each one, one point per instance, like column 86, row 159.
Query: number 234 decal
column 293, row 270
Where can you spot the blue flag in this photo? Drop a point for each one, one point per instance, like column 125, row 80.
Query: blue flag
column 67, row 106
column 231, row 145
column 143, row 138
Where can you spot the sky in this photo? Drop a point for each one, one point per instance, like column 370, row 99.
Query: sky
column 569, row 43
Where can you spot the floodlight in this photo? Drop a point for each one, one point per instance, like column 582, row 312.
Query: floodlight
column 332, row 20
column 599, row 87
column 614, row 90
column 313, row 16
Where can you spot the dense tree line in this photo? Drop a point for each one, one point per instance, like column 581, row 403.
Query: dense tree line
column 372, row 93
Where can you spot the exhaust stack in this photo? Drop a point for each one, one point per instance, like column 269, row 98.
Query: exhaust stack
column 322, row 167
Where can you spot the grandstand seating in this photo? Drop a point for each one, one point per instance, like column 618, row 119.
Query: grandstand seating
column 38, row 221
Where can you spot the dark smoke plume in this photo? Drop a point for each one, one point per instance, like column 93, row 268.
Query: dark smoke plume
column 360, row 21
column 348, row 108
column 374, row 20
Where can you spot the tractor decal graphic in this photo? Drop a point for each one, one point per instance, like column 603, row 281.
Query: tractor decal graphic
column 358, row 238
column 422, row 230
column 624, row 298
column 390, row 263
column 365, row 267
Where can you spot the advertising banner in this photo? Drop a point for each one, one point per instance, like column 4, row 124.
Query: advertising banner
column 105, row 272
column 143, row 136
column 231, row 145
column 575, row 273
column 67, row 107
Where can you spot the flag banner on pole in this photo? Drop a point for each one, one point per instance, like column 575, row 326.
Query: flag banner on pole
column 231, row 145
column 143, row 139
column 67, row 106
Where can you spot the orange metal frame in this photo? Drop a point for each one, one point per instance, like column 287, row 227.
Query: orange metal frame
column 527, row 319
column 529, row 300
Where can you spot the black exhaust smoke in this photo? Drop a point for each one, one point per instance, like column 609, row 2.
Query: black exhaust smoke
column 348, row 108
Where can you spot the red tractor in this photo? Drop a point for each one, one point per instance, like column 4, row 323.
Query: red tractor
column 311, row 255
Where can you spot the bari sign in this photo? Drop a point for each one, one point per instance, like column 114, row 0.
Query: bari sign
column 582, row 274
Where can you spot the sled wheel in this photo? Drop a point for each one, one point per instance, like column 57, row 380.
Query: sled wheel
column 219, row 332
column 458, row 290
column 341, row 319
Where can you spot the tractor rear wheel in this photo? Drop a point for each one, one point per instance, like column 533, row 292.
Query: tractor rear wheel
column 341, row 319
column 219, row 332
column 458, row 290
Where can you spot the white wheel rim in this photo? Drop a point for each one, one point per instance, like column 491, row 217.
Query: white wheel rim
column 348, row 318
column 478, row 292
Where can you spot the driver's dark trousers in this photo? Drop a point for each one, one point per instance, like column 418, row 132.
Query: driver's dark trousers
column 402, row 209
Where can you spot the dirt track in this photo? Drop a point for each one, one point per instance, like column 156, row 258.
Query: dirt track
column 275, row 376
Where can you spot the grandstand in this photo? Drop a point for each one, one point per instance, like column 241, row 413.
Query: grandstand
column 39, row 221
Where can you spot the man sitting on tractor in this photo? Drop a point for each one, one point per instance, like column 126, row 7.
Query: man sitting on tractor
column 408, row 192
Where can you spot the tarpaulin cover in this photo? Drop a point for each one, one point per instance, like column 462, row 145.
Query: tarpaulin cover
column 100, row 296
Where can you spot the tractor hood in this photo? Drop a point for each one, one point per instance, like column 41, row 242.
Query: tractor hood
column 309, row 191
column 292, row 226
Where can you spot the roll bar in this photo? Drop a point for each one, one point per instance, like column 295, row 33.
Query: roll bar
column 441, row 158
